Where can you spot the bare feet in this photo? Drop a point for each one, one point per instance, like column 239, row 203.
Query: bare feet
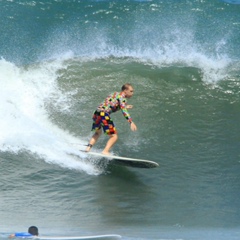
column 89, row 146
column 106, row 153
column 87, row 149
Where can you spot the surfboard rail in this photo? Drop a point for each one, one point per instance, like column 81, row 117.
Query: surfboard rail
column 125, row 161
column 94, row 237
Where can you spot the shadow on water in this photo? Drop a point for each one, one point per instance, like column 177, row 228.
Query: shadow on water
column 123, row 173
column 122, row 192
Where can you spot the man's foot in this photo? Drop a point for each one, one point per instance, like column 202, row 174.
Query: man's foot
column 106, row 153
column 89, row 146
column 87, row 149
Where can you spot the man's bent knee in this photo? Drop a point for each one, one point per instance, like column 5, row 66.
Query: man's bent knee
column 114, row 136
column 98, row 132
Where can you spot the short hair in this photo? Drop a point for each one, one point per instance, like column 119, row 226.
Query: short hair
column 126, row 86
column 33, row 230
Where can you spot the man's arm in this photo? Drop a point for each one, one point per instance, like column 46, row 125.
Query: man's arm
column 124, row 108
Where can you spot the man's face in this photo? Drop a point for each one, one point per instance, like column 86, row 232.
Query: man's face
column 129, row 92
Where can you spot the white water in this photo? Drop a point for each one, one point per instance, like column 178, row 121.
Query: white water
column 24, row 122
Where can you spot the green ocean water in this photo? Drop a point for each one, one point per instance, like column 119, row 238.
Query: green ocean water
column 60, row 59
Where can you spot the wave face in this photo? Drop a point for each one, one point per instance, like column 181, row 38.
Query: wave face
column 60, row 59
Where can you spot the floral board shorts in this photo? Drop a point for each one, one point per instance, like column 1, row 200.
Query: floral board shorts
column 103, row 120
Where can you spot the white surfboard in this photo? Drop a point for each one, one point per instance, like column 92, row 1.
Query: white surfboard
column 125, row 161
column 96, row 237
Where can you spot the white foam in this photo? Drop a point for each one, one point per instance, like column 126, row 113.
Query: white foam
column 24, row 122
column 179, row 48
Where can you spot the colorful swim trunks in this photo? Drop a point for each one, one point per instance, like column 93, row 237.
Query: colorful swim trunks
column 103, row 119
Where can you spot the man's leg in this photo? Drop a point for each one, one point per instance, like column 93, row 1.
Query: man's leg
column 112, row 140
column 94, row 139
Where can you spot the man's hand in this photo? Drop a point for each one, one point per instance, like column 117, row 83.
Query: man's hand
column 133, row 126
column 129, row 106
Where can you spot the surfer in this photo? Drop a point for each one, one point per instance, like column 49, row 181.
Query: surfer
column 32, row 231
column 101, row 117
